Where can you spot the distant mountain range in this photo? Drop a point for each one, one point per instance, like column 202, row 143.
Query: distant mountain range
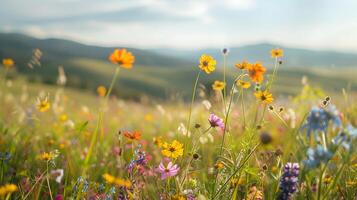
column 157, row 72
column 293, row 57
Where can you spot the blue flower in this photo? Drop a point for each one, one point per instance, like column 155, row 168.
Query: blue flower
column 315, row 156
column 319, row 119
column 346, row 137
column 289, row 181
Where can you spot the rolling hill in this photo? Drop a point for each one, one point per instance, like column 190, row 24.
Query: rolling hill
column 165, row 73
column 293, row 57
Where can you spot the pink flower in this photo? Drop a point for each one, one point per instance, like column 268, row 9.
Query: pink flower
column 215, row 121
column 169, row 171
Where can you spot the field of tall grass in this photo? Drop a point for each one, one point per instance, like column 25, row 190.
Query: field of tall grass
column 233, row 140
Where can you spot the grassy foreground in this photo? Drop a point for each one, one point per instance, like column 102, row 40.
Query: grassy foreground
column 233, row 142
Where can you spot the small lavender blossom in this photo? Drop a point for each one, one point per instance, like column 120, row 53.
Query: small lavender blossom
column 316, row 156
column 289, row 181
column 169, row 171
column 140, row 160
column 215, row 121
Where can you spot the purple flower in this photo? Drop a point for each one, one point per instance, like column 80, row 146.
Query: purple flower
column 289, row 181
column 215, row 121
column 169, row 171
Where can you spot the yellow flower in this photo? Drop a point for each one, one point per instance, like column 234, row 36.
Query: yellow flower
column 327, row 179
column 7, row 189
column 63, row 118
column 47, row 156
column 173, row 150
column 148, row 117
column 243, row 65
column 264, row 96
column 256, row 72
column 351, row 183
column 236, row 182
column 123, row 58
column 101, row 90
column 43, row 104
column 8, row 63
column 219, row 165
column 218, row 85
column 158, row 141
column 116, row 181
column 276, row 53
column 243, row 84
column 178, row 197
column 207, row 63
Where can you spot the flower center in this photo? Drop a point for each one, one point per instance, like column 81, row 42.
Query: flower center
column 172, row 149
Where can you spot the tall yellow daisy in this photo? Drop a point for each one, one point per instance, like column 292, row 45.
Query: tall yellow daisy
column 276, row 53
column 172, row 150
column 243, row 84
column 218, row 85
column 207, row 63
column 43, row 104
column 264, row 96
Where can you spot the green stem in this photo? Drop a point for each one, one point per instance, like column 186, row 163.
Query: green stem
column 225, row 82
column 243, row 108
column 320, row 182
column 236, row 171
column 192, row 101
column 116, row 74
column 225, row 123
column 48, row 182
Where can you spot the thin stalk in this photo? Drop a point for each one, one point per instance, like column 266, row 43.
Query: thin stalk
column 236, row 171
column 116, row 74
column 34, row 185
column 225, row 123
column 275, row 71
column 320, row 182
column 225, row 82
column 48, row 182
column 192, row 101
column 243, row 108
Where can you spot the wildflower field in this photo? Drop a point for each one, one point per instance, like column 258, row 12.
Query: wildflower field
column 234, row 140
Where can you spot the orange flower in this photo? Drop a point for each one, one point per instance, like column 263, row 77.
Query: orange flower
column 101, row 90
column 135, row 135
column 256, row 72
column 243, row 65
column 123, row 58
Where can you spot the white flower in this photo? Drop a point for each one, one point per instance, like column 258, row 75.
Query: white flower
column 58, row 173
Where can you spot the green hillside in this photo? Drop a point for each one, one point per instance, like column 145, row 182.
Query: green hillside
column 154, row 75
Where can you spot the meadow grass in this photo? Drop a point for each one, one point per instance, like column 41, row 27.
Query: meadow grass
column 230, row 142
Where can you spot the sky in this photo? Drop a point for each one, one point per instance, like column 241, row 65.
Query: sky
column 187, row 24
